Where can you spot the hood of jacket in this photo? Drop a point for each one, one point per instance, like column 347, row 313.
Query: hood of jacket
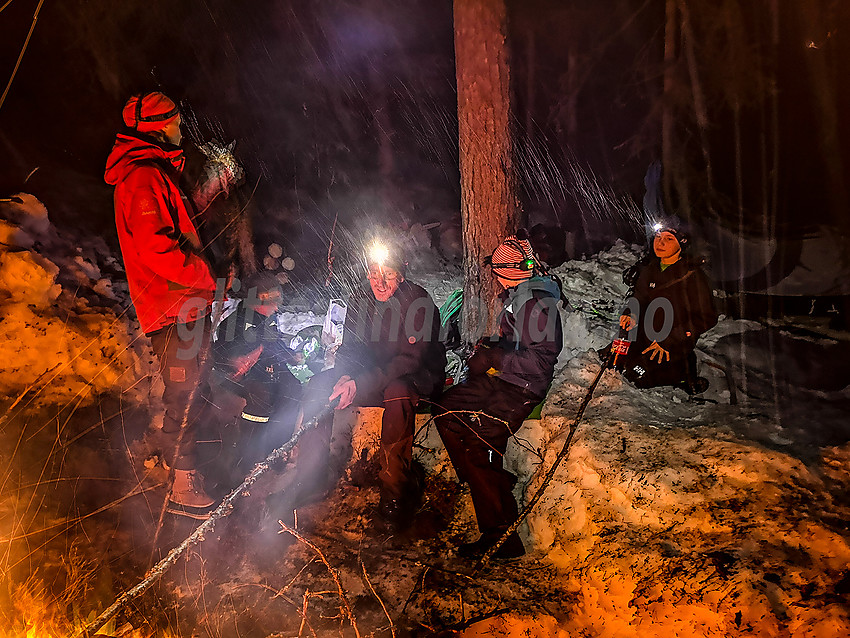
column 515, row 297
column 132, row 149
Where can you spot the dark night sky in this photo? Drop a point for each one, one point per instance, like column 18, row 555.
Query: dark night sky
column 300, row 84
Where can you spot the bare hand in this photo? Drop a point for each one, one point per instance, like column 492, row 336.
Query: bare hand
column 231, row 275
column 655, row 349
column 244, row 363
column 626, row 322
column 346, row 390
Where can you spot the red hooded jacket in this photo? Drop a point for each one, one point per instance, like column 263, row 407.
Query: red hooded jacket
column 169, row 281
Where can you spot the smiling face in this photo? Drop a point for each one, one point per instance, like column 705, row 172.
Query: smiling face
column 666, row 247
column 384, row 281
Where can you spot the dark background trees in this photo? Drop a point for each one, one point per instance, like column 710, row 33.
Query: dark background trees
column 348, row 108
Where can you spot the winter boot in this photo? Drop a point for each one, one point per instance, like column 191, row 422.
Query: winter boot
column 695, row 386
column 397, row 508
column 188, row 497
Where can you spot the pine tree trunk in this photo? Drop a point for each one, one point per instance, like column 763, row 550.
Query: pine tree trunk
column 823, row 90
column 672, row 174
column 530, row 87
column 700, row 108
column 488, row 187
column 774, row 108
column 739, row 193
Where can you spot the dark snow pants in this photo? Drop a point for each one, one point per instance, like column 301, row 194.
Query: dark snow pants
column 272, row 399
column 398, row 398
column 476, row 443
column 184, row 364
column 644, row 373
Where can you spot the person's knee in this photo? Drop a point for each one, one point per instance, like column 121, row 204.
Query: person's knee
column 398, row 390
column 320, row 386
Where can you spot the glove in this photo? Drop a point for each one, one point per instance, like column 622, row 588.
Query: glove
column 655, row 349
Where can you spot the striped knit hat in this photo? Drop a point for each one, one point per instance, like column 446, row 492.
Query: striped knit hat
column 149, row 112
column 514, row 259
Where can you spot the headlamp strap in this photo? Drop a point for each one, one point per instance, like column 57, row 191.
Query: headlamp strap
column 160, row 117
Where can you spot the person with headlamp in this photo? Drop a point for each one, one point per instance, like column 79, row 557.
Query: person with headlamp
column 509, row 374
column 671, row 305
column 391, row 357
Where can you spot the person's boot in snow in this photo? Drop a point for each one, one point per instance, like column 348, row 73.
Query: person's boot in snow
column 394, row 515
column 188, row 497
column 396, row 511
column 695, row 386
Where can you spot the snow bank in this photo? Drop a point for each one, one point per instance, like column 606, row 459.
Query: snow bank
column 664, row 520
column 61, row 333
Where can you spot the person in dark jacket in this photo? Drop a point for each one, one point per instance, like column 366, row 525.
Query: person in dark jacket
column 253, row 360
column 171, row 284
column 670, row 308
column 391, row 356
column 508, row 376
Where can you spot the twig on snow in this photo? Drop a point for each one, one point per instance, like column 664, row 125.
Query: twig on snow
column 25, row 392
column 565, row 450
column 346, row 606
column 303, row 613
column 378, row 598
column 420, row 585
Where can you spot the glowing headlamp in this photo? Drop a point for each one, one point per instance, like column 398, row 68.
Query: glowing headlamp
column 378, row 253
column 657, row 226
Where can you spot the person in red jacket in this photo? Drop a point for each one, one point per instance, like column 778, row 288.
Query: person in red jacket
column 171, row 284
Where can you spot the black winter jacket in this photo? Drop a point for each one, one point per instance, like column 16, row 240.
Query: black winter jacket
column 530, row 334
column 690, row 311
column 388, row 340
column 241, row 332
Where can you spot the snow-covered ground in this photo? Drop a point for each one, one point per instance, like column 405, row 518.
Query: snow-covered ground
column 724, row 516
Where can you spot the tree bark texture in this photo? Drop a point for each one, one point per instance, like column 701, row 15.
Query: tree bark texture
column 700, row 107
column 823, row 82
column 488, row 185
column 672, row 177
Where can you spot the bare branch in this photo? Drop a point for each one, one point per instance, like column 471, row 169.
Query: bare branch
column 332, row 571
column 378, row 598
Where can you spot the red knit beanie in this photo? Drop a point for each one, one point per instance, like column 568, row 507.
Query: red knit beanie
column 511, row 259
column 149, row 112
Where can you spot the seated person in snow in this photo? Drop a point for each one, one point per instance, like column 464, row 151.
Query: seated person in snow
column 391, row 357
column 670, row 308
column 250, row 355
column 508, row 376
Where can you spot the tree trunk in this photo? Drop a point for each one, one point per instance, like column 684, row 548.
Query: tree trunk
column 530, row 87
column 700, row 108
column 488, row 186
column 823, row 83
column 774, row 108
column 671, row 175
